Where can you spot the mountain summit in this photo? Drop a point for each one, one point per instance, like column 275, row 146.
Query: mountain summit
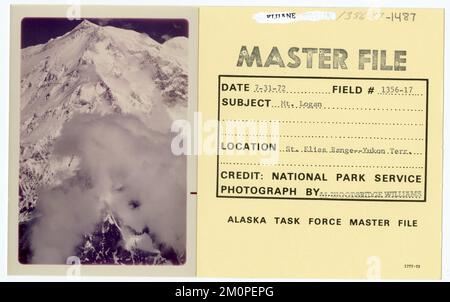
column 86, row 24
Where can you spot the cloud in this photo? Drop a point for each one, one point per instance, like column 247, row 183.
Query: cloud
column 103, row 22
column 121, row 23
column 166, row 37
column 122, row 168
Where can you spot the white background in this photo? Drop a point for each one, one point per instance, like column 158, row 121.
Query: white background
column 4, row 113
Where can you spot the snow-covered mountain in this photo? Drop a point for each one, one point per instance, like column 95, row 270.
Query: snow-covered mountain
column 98, row 71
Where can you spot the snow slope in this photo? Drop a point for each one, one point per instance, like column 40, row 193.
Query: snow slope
column 91, row 70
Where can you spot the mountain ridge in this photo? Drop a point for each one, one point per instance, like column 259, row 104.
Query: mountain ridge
column 92, row 69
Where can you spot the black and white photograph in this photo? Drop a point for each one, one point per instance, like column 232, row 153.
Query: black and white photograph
column 98, row 181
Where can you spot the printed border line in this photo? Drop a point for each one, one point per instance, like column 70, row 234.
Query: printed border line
column 327, row 78
column 426, row 142
column 218, row 137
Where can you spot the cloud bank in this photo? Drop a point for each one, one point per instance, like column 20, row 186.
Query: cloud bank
column 116, row 165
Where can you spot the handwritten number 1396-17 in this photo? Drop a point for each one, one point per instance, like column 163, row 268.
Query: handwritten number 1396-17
column 373, row 15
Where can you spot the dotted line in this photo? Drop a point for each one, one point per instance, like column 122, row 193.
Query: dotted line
column 331, row 123
column 325, row 136
column 373, row 109
column 328, row 166
column 308, row 92
column 300, row 151
column 351, row 108
column 404, row 94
